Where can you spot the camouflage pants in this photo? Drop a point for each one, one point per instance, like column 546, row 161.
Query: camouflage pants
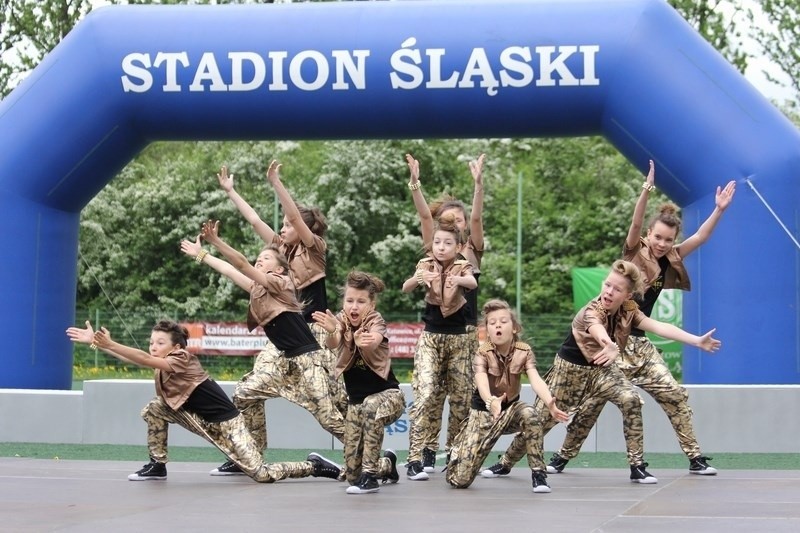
column 573, row 386
column 231, row 438
column 363, row 433
column 442, row 362
column 455, row 418
column 479, row 435
column 303, row 380
column 643, row 365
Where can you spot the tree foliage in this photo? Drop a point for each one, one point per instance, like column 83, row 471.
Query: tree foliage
column 780, row 38
column 717, row 22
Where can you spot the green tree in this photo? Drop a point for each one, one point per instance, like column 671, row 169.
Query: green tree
column 779, row 40
column 717, row 22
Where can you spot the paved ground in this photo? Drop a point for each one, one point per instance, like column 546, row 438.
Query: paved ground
column 50, row 495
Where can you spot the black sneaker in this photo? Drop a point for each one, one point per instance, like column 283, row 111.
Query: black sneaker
column 227, row 469
column 393, row 476
column 640, row 475
column 496, row 470
column 415, row 472
column 557, row 464
column 366, row 484
column 428, row 460
column 539, row 481
column 699, row 465
column 323, row 467
column 152, row 470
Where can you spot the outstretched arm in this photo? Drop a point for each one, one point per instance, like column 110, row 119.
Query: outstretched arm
column 263, row 230
column 542, row 391
column 102, row 338
column 476, row 216
column 86, row 336
column 494, row 404
column 424, row 212
column 195, row 250
column 637, row 222
column 723, row 199
column 210, row 234
column 668, row 331
column 289, row 207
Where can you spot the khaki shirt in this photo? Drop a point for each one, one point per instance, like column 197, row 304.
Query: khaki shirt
column 504, row 373
column 175, row 386
column 378, row 359
column 267, row 301
column 449, row 299
column 641, row 256
column 618, row 325
column 306, row 263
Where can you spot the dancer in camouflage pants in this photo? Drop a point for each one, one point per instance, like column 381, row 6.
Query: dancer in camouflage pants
column 643, row 365
column 364, row 431
column 231, row 437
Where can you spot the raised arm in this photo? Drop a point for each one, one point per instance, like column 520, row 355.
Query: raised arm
column 263, row 230
column 476, row 215
column 722, row 200
column 669, row 331
column 195, row 250
column 637, row 222
column 289, row 207
column 210, row 234
column 102, row 338
column 424, row 212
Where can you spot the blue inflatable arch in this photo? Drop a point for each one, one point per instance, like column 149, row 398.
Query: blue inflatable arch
column 632, row 71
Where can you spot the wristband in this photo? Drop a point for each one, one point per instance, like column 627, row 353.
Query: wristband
column 414, row 186
column 200, row 256
column 649, row 188
column 420, row 279
column 489, row 402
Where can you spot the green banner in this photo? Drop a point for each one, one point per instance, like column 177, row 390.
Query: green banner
column 586, row 283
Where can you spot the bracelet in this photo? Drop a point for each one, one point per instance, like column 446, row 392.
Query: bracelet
column 93, row 346
column 200, row 256
column 420, row 279
column 334, row 332
column 414, row 186
column 489, row 402
column 649, row 188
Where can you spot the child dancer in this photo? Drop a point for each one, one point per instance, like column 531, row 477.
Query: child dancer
column 301, row 241
column 296, row 373
column 661, row 261
column 459, row 385
column 358, row 333
column 496, row 407
column 185, row 395
column 584, row 369
column 444, row 340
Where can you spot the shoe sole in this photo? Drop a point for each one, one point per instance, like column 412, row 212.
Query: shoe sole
column 706, row 472
column 488, row 474
column 422, row 476
column 428, row 469
column 218, row 473
column 553, row 470
column 542, row 490
column 356, row 490
column 134, row 477
column 325, row 460
column 645, row 481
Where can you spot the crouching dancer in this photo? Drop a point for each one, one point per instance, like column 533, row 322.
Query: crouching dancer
column 187, row 396
column 496, row 407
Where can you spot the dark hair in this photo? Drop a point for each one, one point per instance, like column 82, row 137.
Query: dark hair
column 313, row 218
column 447, row 222
column 364, row 282
column 501, row 305
column 632, row 273
column 668, row 215
column 177, row 333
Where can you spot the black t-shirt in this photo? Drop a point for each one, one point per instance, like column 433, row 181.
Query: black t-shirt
column 471, row 307
column 210, row 402
column 290, row 334
column 570, row 352
column 454, row 324
column 314, row 298
column 360, row 381
column 648, row 302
